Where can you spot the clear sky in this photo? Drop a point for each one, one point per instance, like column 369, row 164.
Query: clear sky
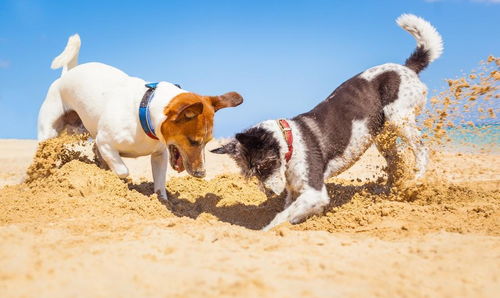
column 284, row 57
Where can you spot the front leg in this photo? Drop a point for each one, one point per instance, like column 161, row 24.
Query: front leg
column 310, row 202
column 112, row 158
column 159, row 164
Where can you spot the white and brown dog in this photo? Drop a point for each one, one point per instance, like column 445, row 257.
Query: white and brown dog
column 130, row 118
column 300, row 153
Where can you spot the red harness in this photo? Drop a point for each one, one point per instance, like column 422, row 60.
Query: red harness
column 287, row 134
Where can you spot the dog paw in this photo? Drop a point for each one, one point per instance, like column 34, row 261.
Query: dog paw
column 122, row 174
column 162, row 195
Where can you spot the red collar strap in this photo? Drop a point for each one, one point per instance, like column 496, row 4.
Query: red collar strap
column 287, row 134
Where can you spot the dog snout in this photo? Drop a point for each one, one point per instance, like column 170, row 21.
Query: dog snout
column 199, row 173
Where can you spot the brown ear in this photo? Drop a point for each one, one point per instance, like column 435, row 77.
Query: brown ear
column 185, row 112
column 230, row 99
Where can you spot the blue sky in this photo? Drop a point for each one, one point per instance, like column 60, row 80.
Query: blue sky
column 284, row 57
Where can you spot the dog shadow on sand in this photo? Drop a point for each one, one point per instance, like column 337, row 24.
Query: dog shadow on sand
column 253, row 217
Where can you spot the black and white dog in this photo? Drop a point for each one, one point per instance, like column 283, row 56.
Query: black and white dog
column 300, row 153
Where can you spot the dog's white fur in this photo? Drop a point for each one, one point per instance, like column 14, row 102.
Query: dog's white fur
column 425, row 34
column 107, row 101
column 400, row 116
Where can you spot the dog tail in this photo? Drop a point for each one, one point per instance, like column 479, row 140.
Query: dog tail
column 69, row 57
column 429, row 41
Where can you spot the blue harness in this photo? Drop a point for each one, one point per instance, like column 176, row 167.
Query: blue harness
column 144, row 115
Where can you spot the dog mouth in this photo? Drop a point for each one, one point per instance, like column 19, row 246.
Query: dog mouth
column 176, row 160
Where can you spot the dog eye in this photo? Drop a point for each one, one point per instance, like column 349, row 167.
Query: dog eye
column 193, row 142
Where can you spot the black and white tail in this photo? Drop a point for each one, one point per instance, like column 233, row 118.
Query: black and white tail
column 69, row 57
column 429, row 41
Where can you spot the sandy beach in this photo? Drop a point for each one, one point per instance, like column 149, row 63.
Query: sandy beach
column 300, row 89
column 81, row 231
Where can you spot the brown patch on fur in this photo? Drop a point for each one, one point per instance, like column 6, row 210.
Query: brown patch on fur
column 189, row 124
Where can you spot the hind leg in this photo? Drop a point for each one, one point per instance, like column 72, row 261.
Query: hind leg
column 413, row 137
column 401, row 115
column 406, row 128
column 50, row 117
column 111, row 156
column 386, row 143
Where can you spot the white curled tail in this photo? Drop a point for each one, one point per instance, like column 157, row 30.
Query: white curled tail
column 429, row 41
column 69, row 57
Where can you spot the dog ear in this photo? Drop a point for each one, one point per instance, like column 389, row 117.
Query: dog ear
column 230, row 99
column 186, row 112
column 248, row 140
column 229, row 148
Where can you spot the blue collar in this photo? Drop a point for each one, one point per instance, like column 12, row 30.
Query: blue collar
column 144, row 115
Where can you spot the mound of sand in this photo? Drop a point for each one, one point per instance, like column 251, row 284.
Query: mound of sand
column 60, row 188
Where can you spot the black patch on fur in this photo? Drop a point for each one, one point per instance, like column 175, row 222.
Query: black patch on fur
column 418, row 60
column 259, row 153
column 387, row 84
column 355, row 99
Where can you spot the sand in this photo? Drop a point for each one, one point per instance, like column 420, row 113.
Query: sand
column 71, row 228
column 78, row 230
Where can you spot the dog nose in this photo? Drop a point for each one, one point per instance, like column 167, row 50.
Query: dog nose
column 199, row 173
